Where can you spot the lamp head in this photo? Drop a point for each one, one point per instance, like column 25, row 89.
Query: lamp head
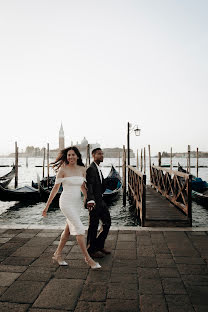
column 137, row 131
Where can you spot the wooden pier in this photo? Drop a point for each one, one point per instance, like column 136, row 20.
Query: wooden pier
column 160, row 212
column 166, row 201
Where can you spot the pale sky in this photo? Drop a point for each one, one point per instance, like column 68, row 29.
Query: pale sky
column 95, row 65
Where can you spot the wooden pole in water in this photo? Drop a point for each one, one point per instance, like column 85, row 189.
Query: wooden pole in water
column 44, row 162
column 124, row 176
column 16, row 166
column 88, row 155
column 171, row 159
column 119, row 163
column 144, row 161
column 26, row 162
column 188, row 160
column 197, row 162
column 48, row 165
column 159, row 159
column 141, row 161
column 150, row 166
column 137, row 159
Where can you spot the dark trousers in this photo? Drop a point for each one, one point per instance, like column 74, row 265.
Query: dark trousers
column 95, row 242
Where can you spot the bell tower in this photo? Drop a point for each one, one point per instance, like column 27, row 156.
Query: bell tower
column 61, row 138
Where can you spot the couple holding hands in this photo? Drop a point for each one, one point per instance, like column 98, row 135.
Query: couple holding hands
column 74, row 177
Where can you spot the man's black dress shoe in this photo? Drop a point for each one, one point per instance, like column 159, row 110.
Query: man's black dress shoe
column 105, row 251
column 96, row 254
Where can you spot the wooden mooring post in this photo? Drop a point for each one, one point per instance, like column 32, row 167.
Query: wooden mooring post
column 44, row 152
column 124, row 176
column 159, row 159
column 137, row 159
column 197, row 162
column 88, row 156
column 144, row 161
column 189, row 159
column 150, row 161
column 48, row 165
column 171, row 158
column 16, row 166
column 119, row 162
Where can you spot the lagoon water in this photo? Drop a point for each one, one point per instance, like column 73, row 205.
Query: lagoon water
column 15, row 213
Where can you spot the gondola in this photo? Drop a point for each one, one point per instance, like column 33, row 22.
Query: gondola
column 197, row 184
column 199, row 189
column 44, row 187
column 113, row 185
column 7, row 178
column 200, row 198
column 45, row 182
column 45, row 192
column 25, row 193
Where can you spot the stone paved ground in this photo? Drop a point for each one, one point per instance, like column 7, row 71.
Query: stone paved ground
column 148, row 271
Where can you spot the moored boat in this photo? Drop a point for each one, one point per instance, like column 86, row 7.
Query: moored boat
column 113, row 184
column 45, row 192
column 25, row 193
column 200, row 198
column 7, row 178
column 45, row 182
column 45, row 186
column 197, row 184
column 199, row 188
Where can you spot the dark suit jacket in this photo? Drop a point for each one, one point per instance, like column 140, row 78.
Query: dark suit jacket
column 95, row 188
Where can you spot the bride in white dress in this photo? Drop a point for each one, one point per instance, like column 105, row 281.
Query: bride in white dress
column 71, row 173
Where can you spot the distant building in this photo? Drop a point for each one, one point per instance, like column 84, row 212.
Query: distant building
column 61, row 138
column 83, row 147
column 116, row 152
column 84, row 142
column 32, row 151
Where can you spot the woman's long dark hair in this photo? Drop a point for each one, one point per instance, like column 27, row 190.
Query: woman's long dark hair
column 62, row 157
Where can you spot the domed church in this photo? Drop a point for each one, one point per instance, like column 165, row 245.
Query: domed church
column 84, row 142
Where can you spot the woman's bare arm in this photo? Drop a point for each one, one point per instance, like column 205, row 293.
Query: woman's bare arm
column 53, row 192
column 84, row 190
column 83, row 187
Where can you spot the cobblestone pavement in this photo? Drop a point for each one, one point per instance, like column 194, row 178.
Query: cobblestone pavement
column 147, row 271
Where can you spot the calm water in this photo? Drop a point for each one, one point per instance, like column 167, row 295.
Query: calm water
column 12, row 213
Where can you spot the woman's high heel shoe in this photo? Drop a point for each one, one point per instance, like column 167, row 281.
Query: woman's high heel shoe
column 57, row 258
column 93, row 266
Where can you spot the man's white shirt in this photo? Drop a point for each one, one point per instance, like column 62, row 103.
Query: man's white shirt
column 101, row 179
column 99, row 170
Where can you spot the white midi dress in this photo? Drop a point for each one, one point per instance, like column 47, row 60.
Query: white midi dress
column 71, row 203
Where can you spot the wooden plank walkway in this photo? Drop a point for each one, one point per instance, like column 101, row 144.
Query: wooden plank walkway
column 160, row 212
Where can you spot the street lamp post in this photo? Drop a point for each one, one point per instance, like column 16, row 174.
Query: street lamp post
column 128, row 147
column 136, row 130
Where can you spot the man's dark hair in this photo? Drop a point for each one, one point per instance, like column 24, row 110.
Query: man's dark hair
column 94, row 151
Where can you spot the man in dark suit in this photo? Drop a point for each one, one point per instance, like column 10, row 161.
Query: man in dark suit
column 97, row 207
